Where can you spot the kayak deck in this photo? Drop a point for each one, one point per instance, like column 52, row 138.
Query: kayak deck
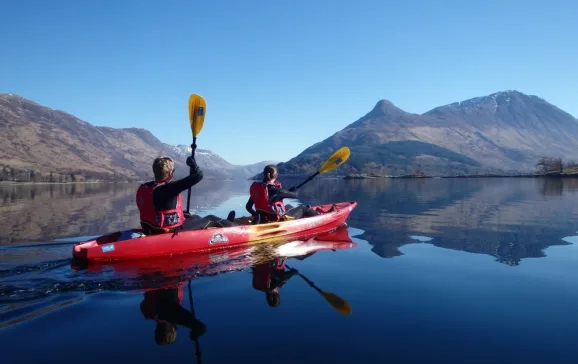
column 110, row 248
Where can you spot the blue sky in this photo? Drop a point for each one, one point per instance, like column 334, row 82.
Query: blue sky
column 279, row 76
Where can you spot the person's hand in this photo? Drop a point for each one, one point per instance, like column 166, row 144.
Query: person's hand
column 293, row 189
column 191, row 162
column 198, row 329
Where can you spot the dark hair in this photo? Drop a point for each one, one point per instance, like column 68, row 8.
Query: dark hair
column 273, row 298
column 269, row 172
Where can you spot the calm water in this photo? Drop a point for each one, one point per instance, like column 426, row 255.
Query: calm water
column 445, row 270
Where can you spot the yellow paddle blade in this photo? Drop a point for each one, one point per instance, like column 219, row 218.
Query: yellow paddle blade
column 338, row 303
column 336, row 159
column 197, row 112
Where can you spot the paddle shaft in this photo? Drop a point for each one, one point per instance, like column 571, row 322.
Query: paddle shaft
column 197, row 345
column 193, row 147
column 307, row 180
column 307, row 280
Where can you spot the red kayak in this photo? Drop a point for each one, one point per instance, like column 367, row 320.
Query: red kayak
column 169, row 270
column 110, row 248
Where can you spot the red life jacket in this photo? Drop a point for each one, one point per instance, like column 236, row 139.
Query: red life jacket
column 260, row 196
column 159, row 219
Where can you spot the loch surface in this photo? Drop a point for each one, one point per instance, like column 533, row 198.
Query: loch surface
column 440, row 271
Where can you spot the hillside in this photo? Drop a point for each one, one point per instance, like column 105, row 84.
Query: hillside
column 505, row 131
column 41, row 144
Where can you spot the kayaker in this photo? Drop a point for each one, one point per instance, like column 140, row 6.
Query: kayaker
column 267, row 197
column 164, row 307
column 160, row 203
column 269, row 277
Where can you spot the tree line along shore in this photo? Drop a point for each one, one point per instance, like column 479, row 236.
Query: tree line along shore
column 545, row 167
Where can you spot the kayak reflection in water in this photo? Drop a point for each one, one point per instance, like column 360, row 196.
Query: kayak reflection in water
column 269, row 277
column 164, row 306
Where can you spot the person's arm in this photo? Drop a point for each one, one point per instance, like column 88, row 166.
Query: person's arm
column 249, row 207
column 174, row 188
column 277, row 194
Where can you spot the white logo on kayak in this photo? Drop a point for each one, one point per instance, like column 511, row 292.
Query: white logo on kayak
column 107, row 248
column 218, row 238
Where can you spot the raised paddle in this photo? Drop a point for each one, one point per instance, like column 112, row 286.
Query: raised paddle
column 338, row 158
column 341, row 305
column 197, row 112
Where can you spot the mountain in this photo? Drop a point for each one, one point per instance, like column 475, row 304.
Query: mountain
column 209, row 159
column 504, row 131
column 41, row 144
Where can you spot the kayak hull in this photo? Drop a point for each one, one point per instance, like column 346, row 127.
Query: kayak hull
column 168, row 271
column 107, row 248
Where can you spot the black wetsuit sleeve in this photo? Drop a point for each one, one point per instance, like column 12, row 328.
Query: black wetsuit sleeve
column 174, row 188
column 249, row 207
column 277, row 194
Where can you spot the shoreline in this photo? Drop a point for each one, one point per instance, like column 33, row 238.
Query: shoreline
column 548, row 175
column 6, row 183
column 54, row 183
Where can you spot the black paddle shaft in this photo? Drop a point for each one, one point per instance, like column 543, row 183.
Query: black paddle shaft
column 307, row 280
column 307, row 180
column 193, row 147
column 197, row 345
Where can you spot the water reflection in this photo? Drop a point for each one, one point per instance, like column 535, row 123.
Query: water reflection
column 165, row 275
column 269, row 273
column 164, row 307
column 269, row 277
column 509, row 219
column 43, row 212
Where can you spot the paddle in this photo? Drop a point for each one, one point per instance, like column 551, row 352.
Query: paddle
column 336, row 159
column 341, row 305
column 197, row 345
column 197, row 112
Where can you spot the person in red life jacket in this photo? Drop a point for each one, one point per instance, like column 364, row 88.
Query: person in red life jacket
column 160, row 203
column 267, row 197
column 269, row 277
column 164, row 307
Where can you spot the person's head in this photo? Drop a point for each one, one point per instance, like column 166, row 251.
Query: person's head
column 163, row 169
column 270, row 173
column 273, row 298
column 165, row 333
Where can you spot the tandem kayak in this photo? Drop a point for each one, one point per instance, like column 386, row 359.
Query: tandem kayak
column 169, row 270
column 115, row 247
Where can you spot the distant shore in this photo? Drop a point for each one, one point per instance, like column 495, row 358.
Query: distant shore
column 95, row 182
column 55, row 183
column 529, row 175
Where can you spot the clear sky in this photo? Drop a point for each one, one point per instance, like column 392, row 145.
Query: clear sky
column 279, row 76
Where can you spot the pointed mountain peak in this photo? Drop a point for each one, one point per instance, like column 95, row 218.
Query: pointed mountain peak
column 384, row 108
column 384, row 105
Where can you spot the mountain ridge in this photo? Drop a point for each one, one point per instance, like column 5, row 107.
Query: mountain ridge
column 41, row 144
column 505, row 131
